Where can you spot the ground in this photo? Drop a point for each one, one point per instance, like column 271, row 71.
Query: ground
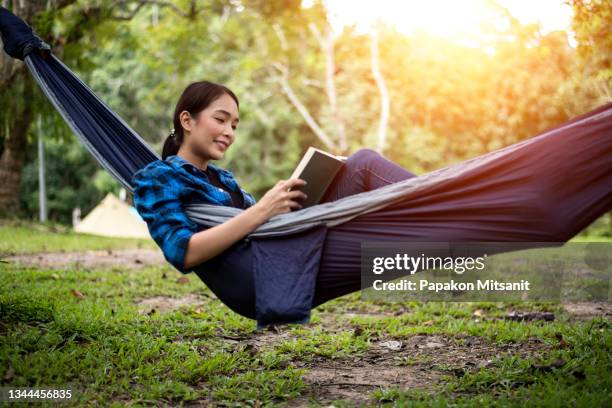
column 109, row 318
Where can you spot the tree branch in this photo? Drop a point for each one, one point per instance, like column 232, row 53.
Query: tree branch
column 58, row 4
column 317, row 34
column 281, row 36
column 284, row 82
column 312, row 82
column 160, row 3
column 130, row 15
column 327, row 46
column 384, row 94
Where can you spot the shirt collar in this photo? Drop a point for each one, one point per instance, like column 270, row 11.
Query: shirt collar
column 182, row 162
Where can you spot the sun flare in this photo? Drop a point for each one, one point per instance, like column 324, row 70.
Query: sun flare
column 460, row 21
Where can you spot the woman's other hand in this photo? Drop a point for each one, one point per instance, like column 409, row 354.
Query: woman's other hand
column 282, row 198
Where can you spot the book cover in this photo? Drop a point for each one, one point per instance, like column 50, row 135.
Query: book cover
column 318, row 168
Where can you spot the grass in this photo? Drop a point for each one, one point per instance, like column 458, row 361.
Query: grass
column 83, row 329
column 19, row 237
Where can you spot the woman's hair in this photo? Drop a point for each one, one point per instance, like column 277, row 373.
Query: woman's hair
column 194, row 99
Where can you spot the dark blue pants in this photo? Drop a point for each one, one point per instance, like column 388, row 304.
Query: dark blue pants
column 340, row 267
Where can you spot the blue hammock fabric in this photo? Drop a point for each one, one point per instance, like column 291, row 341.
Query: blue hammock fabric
column 546, row 188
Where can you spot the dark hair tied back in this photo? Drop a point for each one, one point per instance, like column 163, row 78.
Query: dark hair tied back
column 171, row 145
column 194, row 99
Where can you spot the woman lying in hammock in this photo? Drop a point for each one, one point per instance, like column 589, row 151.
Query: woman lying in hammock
column 205, row 122
column 543, row 189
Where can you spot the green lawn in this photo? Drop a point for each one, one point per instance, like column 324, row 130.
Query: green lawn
column 84, row 329
column 26, row 238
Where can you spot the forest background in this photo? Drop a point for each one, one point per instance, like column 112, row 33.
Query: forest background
column 423, row 101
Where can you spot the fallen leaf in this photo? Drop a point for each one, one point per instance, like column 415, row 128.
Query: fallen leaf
column 433, row 344
column 485, row 364
column 579, row 374
column 182, row 280
column 9, row 374
column 558, row 363
column 458, row 372
column 562, row 342
column 273, row 328
column 392, row 344
column 478, row 313
column 251, row 349
column 428, row 323
column 77, row 294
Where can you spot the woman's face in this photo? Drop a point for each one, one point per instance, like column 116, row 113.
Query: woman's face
column 213, row 132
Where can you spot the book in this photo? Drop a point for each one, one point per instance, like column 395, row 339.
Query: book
column 318, row 168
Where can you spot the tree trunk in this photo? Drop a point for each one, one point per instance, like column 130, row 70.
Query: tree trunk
column 13, row 155
column 16, row 85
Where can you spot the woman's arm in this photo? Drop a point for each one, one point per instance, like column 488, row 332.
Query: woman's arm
column 209, row 243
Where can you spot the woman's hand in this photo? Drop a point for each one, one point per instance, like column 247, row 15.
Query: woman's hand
column 280, row 199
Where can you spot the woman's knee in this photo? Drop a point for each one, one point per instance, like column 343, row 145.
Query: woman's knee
column 362, row 157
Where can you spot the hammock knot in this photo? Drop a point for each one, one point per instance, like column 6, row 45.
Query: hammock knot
column 18, row 37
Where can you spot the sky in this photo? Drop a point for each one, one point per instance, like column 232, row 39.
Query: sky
column 458, row 20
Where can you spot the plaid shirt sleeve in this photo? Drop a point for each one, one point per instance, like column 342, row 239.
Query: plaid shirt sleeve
column 249, row 200
column 157, row 200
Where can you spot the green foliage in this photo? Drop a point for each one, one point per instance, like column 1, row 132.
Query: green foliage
column 73, row 179
column 591, row 25
column 449, row 102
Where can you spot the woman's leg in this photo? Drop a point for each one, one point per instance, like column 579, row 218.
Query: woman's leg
column 364, row 170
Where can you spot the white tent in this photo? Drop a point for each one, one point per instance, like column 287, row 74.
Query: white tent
column 114, row 218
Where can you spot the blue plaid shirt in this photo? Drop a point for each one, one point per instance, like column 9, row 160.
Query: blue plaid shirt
column 160, row 190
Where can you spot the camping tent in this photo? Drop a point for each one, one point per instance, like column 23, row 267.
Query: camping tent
column 114, row 218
